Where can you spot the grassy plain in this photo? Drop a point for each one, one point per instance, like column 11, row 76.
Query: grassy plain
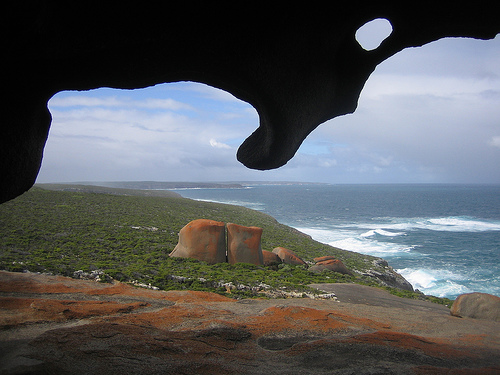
column 128, row 234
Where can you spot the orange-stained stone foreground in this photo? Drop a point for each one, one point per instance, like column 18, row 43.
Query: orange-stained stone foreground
column 51, row 324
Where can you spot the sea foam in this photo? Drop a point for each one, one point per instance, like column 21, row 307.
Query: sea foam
column 463, row 224
column 437, row 282
column 381, row 232
column 364, row 243
column 383, row 226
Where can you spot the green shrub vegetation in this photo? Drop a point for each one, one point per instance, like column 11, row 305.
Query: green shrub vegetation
column 129, row 235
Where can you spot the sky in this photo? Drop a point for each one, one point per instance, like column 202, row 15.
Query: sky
column 426, row 115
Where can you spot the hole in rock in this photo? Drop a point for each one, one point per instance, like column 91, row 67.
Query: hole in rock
column 182, row 131
column 371, row 34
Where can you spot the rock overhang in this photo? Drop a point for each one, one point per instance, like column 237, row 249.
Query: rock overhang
column 298, row 66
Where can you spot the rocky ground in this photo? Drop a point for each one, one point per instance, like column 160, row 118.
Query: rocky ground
column 59, row 325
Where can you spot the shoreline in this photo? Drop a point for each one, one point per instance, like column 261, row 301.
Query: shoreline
column 431, row 278
column 364, row 266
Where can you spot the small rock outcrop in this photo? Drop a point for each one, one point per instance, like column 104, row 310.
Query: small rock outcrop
column 329, row 263
column 243, row 244
column 477, row 305
column 203, row 240
column 288, row 256
column 325, row 258
column 270, row 258
column 386, row 275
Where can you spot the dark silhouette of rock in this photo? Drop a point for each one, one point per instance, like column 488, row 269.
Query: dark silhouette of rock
column 334, row 265
column 298, row 66
column 270, row 258
column 243, row 244
column 203, row 240
column 477, row 305
column 288, row 256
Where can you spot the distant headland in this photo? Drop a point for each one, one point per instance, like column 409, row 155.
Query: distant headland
column 171, row 185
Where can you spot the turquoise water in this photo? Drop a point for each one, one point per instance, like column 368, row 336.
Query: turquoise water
column 444, row 239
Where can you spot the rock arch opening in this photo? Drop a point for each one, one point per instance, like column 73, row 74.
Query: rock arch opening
column 373, row 33
column 160, row 132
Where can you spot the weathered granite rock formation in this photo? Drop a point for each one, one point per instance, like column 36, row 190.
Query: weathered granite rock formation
column 288, row 256
column 298, row 66
column 387, row 276
column 243, row 244
column 329, row 263
column 216, row 242
column 477, row 305
column 58, row 325
column 269, row 258
column 205, row 240
column 202, row 239
column 324, row 258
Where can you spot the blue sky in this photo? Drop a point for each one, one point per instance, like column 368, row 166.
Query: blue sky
column 428, row 114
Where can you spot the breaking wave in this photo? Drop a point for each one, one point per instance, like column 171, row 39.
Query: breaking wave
column 382, row 226
column 436, row 282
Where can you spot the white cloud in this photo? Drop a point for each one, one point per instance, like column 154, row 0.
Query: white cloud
column 167, row 104
column 216, row 144
column 113, row 101
column 83, row 100
column 495, row 141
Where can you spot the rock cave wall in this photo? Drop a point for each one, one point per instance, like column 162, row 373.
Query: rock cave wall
column 299, row 66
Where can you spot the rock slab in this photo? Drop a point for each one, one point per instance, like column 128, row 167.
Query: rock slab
column 58, row 325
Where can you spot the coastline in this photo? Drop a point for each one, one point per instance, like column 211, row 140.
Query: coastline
column 421, row 241
column 366, row 269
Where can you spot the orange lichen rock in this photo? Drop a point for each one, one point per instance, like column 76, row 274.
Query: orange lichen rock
column 61, row 325
column 322, row 259
column 40, row 310
column 330, row 264
column 270, row 258
column 243, row 244
column 202, row 239
column 288, row 256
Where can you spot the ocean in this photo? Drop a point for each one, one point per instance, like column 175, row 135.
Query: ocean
column 444, row 239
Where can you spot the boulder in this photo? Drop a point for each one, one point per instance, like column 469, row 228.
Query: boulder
column 322, row 259
column 334, row 265
column 202, row 239
column 288, row 256
column 243, row 244
column 270, row 258
column 477, row 305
